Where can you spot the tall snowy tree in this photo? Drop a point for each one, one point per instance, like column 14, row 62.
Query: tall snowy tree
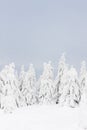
column 47, row 88
column 21, row 77
column 10, row 92
column 70, row 92
column 62, row 68
column 29, row 89
column 74, row 88
column 83, row 82
column 64, row 88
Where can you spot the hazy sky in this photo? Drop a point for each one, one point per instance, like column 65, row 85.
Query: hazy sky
column 40, row 30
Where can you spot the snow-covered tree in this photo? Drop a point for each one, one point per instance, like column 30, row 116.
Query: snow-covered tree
column 83, row 82
column 47, row 88
column 9, row 99
column 70, row 88
column 64, row 88
column 21, row 77
column 62, row 70
column 83, row 74
column 74, row 88
column 29, row 89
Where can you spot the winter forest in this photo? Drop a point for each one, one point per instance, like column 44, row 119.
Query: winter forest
column 18, row 90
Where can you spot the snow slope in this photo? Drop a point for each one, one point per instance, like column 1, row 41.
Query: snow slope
column 44, row 118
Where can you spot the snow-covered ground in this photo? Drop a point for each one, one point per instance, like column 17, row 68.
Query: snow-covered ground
column 44, row 118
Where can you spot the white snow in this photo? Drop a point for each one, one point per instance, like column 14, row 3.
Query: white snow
column 41, row 117
column 21, row 96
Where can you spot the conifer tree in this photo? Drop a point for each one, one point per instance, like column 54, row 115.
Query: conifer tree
column 29, row 89
column 83, row 82
column 62, row 67
column 47, row 88
column 9, row 83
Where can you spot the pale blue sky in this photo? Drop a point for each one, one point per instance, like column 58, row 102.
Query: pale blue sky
column 40, row 30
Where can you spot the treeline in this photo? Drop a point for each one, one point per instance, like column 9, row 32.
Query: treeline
column 68, row 88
